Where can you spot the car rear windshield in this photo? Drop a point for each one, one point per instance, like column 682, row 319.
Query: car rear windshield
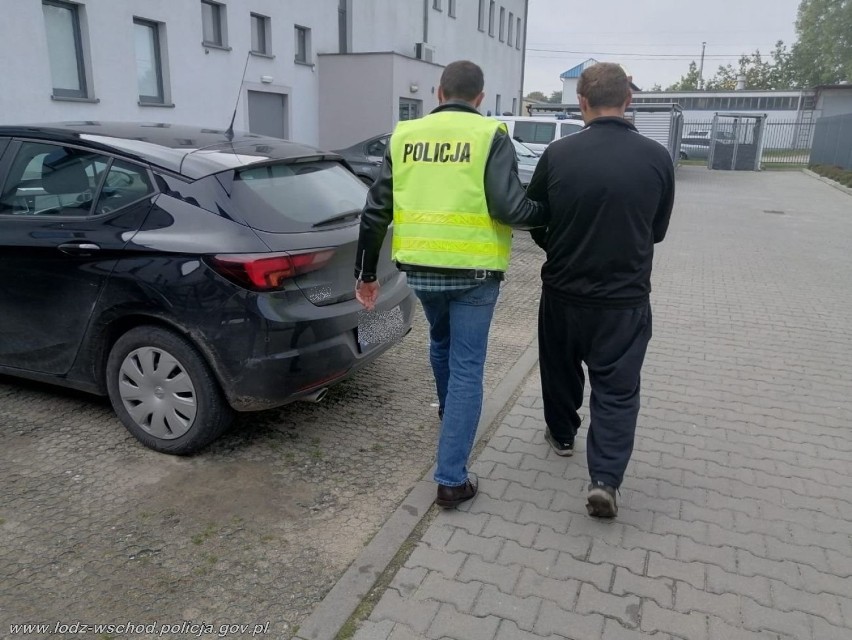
column 295, row 197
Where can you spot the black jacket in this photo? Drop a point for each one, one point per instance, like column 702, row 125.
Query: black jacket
column 504, row 194
column 611, row 192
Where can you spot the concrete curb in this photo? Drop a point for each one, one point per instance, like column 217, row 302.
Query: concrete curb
column 828, row 181
column 338, row 605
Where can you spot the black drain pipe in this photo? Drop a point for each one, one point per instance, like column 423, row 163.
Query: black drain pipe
column 425, row 20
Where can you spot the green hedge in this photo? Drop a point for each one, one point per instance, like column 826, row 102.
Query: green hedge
column 838, row 174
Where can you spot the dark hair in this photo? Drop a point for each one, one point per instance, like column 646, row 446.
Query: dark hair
column 604, row 84
column 462, row 80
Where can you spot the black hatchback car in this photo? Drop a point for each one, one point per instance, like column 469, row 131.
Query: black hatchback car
column 184, row 272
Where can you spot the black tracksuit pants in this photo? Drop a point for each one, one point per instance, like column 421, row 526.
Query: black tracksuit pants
column 612, row 343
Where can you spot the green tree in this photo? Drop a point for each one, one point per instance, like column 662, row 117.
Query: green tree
column 760, row 73
column 536, row 96
column 823, row 52
column 755, row 69
column 689, row 82
column 724, row 80
column 656, row 87
column 783, row 72
column 555, row 97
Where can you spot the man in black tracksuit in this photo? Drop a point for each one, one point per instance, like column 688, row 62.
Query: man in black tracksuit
column 610, row 192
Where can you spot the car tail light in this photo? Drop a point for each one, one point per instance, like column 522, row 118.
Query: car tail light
column 267, row 271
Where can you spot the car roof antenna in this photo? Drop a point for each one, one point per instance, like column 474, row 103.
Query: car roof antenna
column 229, row 134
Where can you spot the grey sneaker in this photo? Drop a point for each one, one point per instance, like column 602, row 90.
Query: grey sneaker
column 601, row 501
column 559, row 448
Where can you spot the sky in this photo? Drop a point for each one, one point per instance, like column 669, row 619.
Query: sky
column 654, row 39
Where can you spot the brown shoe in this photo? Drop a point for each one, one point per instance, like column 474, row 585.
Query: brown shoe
column 450, row 497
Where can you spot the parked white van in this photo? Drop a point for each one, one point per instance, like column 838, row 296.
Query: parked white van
column 537, row 133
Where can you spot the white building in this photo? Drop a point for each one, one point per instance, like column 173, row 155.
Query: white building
column 782, row 106
column 571, row 78
column 790, row 115
column 324, row 72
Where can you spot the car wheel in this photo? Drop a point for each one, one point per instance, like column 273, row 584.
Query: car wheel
column 164, row 393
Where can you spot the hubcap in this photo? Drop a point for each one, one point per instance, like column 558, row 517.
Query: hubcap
column 157, row 392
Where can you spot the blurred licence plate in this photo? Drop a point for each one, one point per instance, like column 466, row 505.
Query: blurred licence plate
column 377, row 327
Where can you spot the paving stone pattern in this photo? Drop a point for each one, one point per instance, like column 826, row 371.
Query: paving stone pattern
column 257, row 528
column 735, row 517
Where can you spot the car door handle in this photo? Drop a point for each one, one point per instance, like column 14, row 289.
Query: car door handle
column 78, row 248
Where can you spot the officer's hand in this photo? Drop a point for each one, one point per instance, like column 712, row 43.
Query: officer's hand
column 367, row 293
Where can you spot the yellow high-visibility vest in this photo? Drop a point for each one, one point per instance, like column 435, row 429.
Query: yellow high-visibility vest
column 440, row 212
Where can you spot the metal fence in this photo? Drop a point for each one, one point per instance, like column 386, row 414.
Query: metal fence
column 785, row 142
column 832, row 143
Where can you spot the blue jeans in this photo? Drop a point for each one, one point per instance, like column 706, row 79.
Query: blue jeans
column 458, row 331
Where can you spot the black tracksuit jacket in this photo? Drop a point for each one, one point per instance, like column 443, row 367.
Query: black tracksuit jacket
column 610, row 192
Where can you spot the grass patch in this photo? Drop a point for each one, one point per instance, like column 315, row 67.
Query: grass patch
column 208, row 561
column 838, row 174
column 782, row 166
column 201, row 538
column 798, row 155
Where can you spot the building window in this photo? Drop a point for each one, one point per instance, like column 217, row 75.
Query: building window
column 481, row 16
column 451, row 8
column 502, row 23
column 491, row 18
column 65, row 49
column 260, row 30
column 303, row 45
column 517, row 35
column 514, row 106
column 436, row 5
column 410, row 109
column 498, row 106
column 213, row 24
column 510, row 32
column 149, row 69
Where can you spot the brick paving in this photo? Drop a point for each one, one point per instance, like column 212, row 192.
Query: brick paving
column 735, row 516
column 256, row 528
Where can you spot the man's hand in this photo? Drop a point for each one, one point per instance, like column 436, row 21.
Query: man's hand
column 367, row 293
column 539, row 236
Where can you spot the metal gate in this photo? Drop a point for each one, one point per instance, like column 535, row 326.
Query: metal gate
column 736, row 141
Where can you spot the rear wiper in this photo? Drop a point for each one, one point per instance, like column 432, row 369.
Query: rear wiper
column 354, row 214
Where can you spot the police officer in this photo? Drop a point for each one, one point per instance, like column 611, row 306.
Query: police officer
column 450, row 185
column 611, row 192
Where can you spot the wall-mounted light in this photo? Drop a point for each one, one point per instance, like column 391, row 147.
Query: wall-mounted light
column 266, row 79
column 413, row 87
